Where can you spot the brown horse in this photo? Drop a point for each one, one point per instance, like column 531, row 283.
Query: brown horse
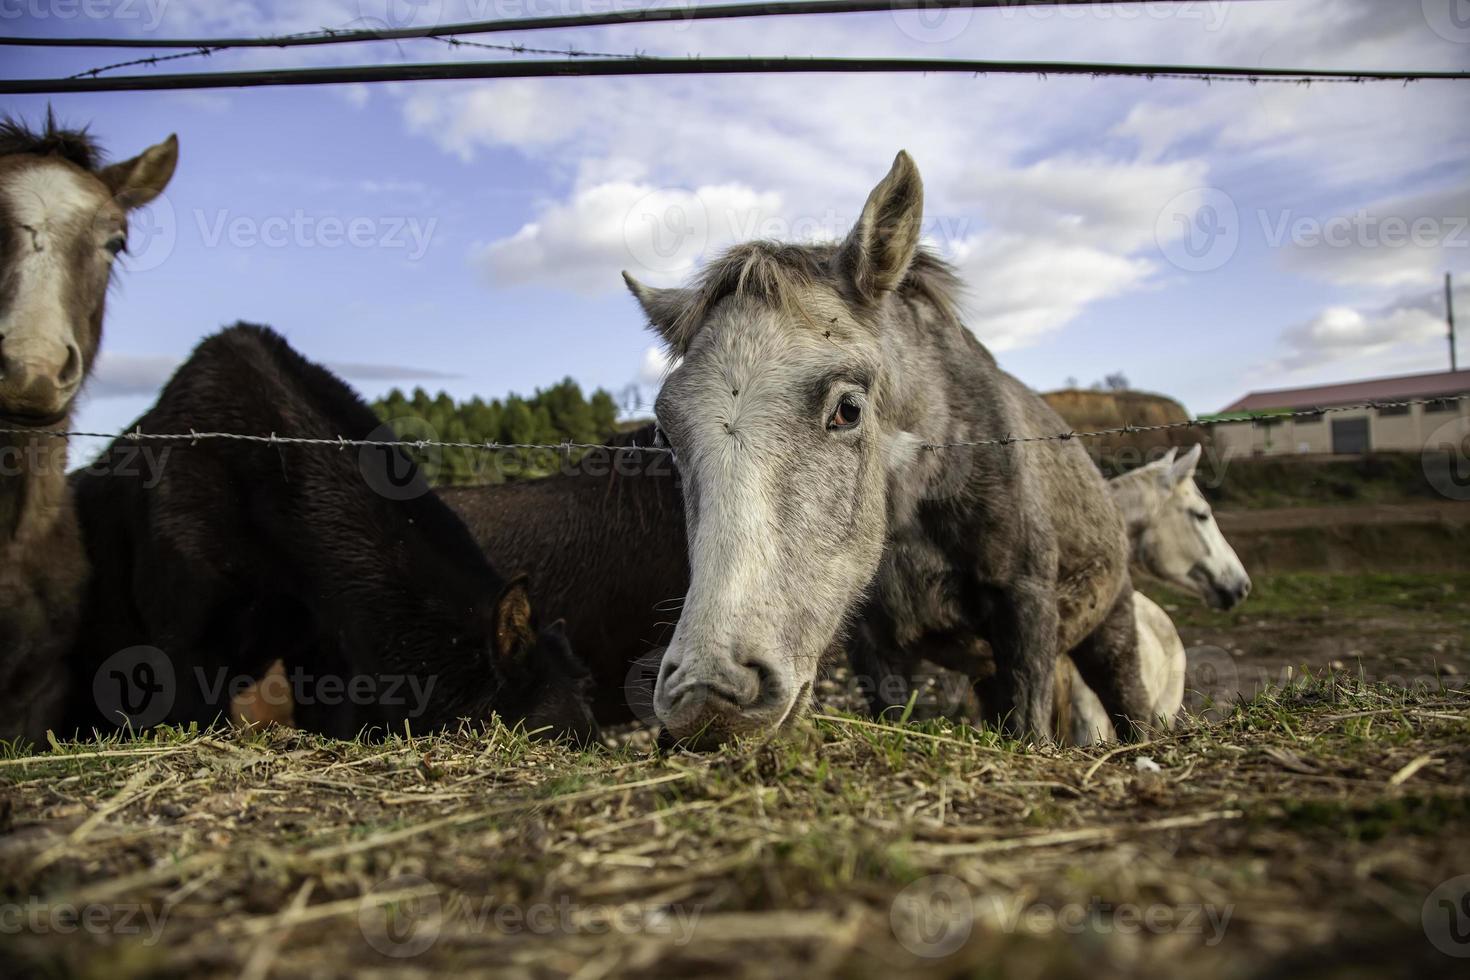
column 63, row 222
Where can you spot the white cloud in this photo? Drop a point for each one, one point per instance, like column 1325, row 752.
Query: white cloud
column 134, row 375
column 1408, row 332
column 1020, row 288
column 656, row 364
column 658, row 234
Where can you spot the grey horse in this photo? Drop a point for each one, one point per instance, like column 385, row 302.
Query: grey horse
column 813, row 413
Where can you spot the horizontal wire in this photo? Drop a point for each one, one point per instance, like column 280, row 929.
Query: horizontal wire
column 657, row 66
column 339, row 442
column 677, row 12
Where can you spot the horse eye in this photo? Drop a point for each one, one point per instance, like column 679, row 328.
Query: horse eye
column 847, row 414
column 1200, row 517
column 116, row 245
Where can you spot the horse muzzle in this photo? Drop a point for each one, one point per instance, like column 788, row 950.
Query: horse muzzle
column 36, row 395
column 708, row 700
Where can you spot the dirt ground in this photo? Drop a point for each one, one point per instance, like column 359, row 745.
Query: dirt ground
column 1320, row 829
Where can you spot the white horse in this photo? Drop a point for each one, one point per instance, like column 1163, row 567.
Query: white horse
column 1174, row 537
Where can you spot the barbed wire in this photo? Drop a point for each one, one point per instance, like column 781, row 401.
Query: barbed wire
column 658, row 66
column 567, row 52
column 149, row 62
column 517, row 49
column 340, row 442
column 679, row 12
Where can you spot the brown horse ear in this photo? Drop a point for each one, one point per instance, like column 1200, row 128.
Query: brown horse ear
column 877, row 253
column 137, row 181
column 514, row 631
column 666, row 310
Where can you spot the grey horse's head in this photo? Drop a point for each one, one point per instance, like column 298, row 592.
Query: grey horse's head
column 777, row 415
column 1173, row 530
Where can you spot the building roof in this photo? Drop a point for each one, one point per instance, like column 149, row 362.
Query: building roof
column 1402, row 388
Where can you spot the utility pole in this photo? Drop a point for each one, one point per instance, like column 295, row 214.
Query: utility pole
column 1449, row 312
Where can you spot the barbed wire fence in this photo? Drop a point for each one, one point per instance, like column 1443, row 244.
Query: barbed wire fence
column 193, row 437
column 579, row 62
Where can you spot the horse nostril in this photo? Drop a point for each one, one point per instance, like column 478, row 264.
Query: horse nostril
column 72, row 370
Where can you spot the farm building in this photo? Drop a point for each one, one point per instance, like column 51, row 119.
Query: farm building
column 1387, row 428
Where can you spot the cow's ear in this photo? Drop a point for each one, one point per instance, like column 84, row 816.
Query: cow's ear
column 515, row 631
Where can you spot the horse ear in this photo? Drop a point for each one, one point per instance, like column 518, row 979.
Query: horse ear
column 514, row 629
column 1183, row 467
column 137, row 181
column 877, row 253
column 665, row 309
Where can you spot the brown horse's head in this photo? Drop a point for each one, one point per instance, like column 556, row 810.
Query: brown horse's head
column 63, row 221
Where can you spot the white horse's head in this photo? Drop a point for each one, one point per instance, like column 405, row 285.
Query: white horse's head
column 1173, row 530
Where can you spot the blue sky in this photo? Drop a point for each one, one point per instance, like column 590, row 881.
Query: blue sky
column 1205, row 240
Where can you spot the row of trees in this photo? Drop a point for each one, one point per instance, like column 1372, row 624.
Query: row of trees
column 561, row 413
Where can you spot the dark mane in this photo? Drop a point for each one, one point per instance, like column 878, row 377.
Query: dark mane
column 775, row 273
column 72, row 145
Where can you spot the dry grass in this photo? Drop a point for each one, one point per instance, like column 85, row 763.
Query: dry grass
column 1299, row 835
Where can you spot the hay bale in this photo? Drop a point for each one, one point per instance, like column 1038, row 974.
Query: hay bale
column 1086, row 410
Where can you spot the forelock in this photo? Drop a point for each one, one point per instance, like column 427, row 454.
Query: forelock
column 75, row 146
column 782, row 276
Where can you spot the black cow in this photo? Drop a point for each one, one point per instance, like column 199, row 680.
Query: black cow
column 226, row 556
